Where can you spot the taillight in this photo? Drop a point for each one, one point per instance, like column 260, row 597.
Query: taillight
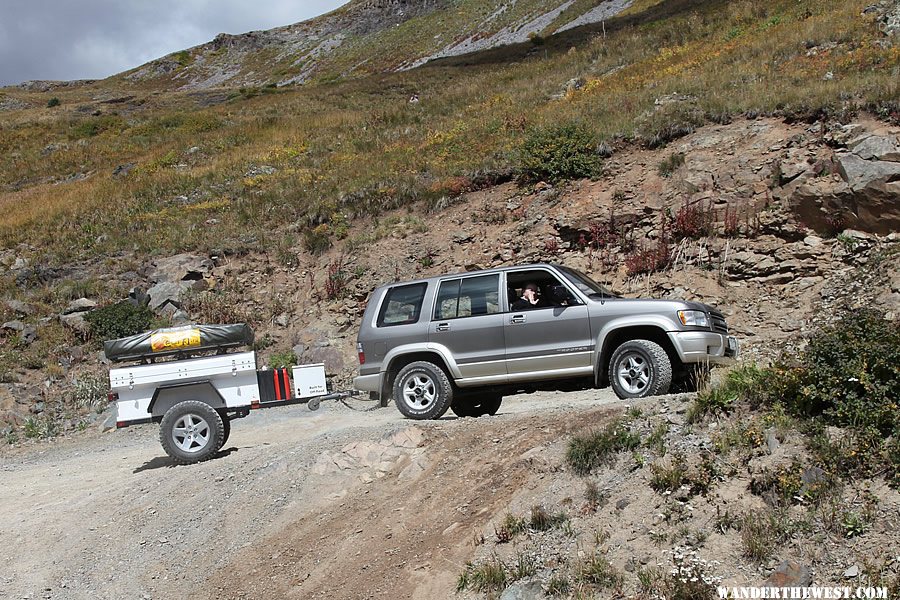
column 362, row 355
column 112, row 396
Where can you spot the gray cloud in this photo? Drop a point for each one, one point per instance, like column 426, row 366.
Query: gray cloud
column 92, row 39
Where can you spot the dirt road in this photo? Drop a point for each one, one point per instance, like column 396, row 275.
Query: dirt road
column 332, row 504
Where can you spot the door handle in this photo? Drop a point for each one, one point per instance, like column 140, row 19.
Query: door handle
column 443, row 327
column 517, row 319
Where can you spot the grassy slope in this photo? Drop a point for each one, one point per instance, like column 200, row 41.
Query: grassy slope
column 357, row 147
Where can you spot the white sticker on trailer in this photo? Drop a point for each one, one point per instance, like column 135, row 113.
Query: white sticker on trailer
column 309, row 381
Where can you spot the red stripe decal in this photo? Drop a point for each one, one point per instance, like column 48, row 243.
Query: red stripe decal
column 277, row 384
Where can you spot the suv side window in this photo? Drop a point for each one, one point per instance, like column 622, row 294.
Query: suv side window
column 469, row 297
column 552, row 292
column 402, row 305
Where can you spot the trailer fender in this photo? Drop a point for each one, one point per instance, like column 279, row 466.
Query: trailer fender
column 167, row 396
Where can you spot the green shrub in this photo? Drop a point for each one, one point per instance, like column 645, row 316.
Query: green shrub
column 541, row 520
column 52, row 102
column 220, row 305
column 661, row 126
column 509, row 528
column 698, row 478
column 119, row 320
column 90, row 391
column 745, row 381
column 671, row 164
column 764, row 531
column 40, row 427
column 283, row 360
column 558, row 586
column 561, row 152
column 317, row 241
column 596, row 571
column 656, row 441
column 596, row 448
column 95, row 126
column 668, row 477
column 490, row 576
column 847, row 376
column 183, row 58
column 850, row 374
column 335, row 281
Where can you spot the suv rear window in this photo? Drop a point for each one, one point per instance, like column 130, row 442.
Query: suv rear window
column 468, row 297
column 402, row 305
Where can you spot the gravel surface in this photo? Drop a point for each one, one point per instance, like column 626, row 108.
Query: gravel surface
column 109, row 516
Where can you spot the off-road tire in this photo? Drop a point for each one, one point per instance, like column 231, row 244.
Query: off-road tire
column 422, row 391
column 476, row 405
column 207, row 438
column 640, row 368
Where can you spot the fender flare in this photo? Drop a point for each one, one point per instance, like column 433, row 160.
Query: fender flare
column 661, row 323
column 167, row 396
column 438, row 349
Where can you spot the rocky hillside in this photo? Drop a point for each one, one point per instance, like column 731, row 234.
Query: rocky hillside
column 367, row 36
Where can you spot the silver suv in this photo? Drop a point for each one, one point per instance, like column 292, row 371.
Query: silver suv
column 462, row 341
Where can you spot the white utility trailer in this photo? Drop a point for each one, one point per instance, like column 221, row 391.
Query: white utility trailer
column 195, row 398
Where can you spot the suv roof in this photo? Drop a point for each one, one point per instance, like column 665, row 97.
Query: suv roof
column 476, row 272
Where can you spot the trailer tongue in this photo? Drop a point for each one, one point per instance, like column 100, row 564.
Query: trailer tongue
column 195, row 398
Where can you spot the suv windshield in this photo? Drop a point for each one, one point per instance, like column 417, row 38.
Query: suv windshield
column 585, row 284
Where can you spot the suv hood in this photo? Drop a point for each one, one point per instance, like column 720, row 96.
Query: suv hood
column 643, row 305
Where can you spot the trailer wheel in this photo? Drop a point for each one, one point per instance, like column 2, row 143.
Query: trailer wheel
column 191, row 432
column 422, row 391
column 476, row 405
column 226, row 429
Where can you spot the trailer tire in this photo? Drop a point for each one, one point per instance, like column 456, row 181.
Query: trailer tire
column 191, row 432
column 476, row 405
column 422, row 391
column 226, row 429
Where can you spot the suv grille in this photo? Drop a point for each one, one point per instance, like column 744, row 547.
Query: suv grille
column 718, row 322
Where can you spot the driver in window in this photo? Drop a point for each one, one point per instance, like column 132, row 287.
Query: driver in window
column 531, row 298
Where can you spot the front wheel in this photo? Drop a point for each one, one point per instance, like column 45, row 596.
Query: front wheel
column 640, row 368
column 191, row 432
column 422, row 391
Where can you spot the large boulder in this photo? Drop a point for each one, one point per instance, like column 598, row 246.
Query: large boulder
column 79, row 306
column 789, row 573
column 19, row 307
column 172, row 277
column 182, row 267
column 876, row 147
column 866, row 196
column 860, row 173
column 76, row 323
column 166, row 295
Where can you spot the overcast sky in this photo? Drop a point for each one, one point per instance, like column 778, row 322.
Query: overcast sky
column 92, row 39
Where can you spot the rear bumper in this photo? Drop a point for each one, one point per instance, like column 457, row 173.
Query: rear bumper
column 703, row 346
column 368, row 383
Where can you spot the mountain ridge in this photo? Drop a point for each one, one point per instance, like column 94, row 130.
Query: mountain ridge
column 365, row 37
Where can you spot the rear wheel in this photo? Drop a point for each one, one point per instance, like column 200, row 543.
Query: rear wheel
column 191, row 432
column 476, row 405
column 640, row 368
column 422, row 391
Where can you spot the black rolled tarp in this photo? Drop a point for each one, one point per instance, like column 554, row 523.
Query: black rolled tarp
column 174, row 340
